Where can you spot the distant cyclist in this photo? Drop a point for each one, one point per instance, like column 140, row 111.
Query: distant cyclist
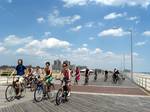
column 87, row 72
column 77, row 75
column 95, row 73
column 20, row 68
column 66, row 76
column 106, row 76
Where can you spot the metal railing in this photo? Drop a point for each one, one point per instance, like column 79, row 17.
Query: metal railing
column 141, row 79
column 143, row 82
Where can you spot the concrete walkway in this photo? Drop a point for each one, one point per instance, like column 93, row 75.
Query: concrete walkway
column 98, row 96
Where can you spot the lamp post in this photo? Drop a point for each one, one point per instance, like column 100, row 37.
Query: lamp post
column 131, row 39
column 131, row 48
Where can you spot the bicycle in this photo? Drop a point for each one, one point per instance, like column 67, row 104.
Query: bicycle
column 42, row 91
column 33, row 84
column 62, row 94
column 13, row 89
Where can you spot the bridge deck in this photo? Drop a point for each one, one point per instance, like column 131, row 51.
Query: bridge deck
column 85, row 103
column 98, row 96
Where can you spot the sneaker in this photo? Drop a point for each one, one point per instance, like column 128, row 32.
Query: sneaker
column 69, row 94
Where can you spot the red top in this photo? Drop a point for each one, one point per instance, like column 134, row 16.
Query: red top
column 66, row 73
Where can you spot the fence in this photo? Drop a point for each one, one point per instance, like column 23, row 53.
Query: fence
column 141, row 80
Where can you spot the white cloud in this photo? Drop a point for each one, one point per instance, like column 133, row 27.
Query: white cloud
column 141, row 43
column 132, row 18
column 97, row 51
column 146, row 33
column 77, row 28
column 84, row 45
column 41, row 47
column 55, row 19
column 113, row 32
column 15, row 40
column 91, row 38
column 81, row 52
column 142, row 3
column 135, row 54
column 70, row 3
column 49, row 43
column 32, row 51
column 9, row 1
column 2, row 49
column 114, row 15
column 40, row 20
column 47, row 34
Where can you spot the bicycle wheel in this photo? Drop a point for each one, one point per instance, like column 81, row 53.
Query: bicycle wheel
column 33, row 85
column 59, row 96
column 23, row 90
column 51, row 91
column 38, row 94
column 10, row 93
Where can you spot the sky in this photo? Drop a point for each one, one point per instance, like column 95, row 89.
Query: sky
column 95, row 33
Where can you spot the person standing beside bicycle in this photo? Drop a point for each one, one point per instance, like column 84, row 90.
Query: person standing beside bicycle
column 66, row 74
column 20, row 68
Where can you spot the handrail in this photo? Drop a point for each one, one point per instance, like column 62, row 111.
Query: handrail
column 141, row 80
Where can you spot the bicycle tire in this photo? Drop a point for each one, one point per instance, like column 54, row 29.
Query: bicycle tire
column 50, row 94
column 59, row 97
column 6, row 93
column 38, row 90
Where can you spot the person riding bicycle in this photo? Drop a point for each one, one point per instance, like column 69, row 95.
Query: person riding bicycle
column 20, row 68
column 29, row 75
column 77, row 75
column 87, row 73
column 65, row 73
column 48, row 74
column 37, row 72
column 106, row 76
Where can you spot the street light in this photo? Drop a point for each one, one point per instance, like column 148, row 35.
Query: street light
column 131, row 53
column 131, row 45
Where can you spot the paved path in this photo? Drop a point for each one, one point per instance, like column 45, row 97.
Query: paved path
column 104, row 97
column 85, row 103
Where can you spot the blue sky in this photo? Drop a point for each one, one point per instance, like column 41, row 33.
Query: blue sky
column 87, row 32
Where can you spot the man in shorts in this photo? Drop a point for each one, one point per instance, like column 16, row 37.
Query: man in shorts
column 20, row 68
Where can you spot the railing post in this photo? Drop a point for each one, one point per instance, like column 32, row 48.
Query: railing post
column 142, row 82
column 145, row 83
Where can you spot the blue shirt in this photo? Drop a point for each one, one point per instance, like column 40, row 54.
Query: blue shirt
column 20, row 70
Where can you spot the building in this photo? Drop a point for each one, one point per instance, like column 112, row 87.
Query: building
column 57, row 65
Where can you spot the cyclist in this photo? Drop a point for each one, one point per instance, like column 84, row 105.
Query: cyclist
column 37, row 72
column 48, row 75
column 77, row 75
column 106, row 76
column 66, row 74
column 87, row 72
column 29, row 75
column 95, row 73
column 20, row 68
column 36, row 78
